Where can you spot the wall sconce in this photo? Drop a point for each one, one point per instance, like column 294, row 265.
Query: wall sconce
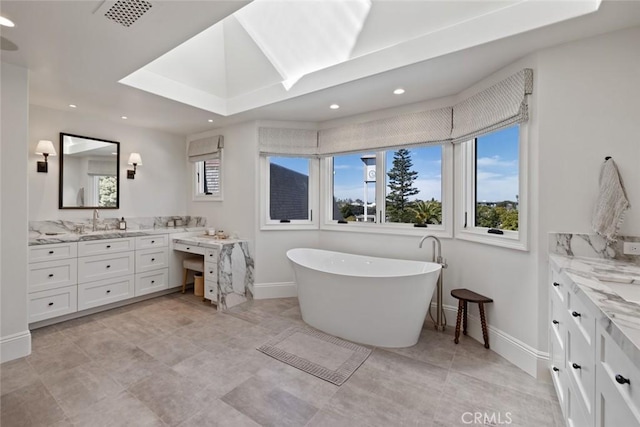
column 135, row 160
column 45, row 148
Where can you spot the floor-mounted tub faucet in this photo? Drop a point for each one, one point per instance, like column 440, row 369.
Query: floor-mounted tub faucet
column 441, row 321
column 96, row 215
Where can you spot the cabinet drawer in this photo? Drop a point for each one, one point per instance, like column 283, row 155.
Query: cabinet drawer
column 101, row 267
column 211, row 255
column 581, row 318
column 52, row 303
column 581, row 367
column 211, row 292
column 152, row 281
column 558, row 369
column 558, row 322
column 211, row 273
column 612, row 362
column 193, row 249
column 53, row 274
column 53, row 252
column 103, row 292
column 560, row 286
column 155, row 241
column 105, row 246
column 151, row 259
column 577, row 416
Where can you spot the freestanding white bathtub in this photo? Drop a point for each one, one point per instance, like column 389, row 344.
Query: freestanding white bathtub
column 376, row 301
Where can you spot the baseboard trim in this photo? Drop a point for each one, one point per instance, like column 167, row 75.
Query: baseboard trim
column 515, row 351
column 15, row 346
column 275, row 290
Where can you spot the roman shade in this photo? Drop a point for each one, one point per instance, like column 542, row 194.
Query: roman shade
column 496, row 107
column 287, row 142
column 205, row 148
column 425, row 127
column 102, row 167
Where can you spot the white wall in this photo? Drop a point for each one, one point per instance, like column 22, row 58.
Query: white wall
column 159, row 188
column 15, row 339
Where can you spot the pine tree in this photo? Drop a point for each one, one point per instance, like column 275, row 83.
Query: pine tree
column 401, row 179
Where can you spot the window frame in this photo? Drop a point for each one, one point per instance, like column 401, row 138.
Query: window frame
column 198, row 168
column 444, row 230
column 266, row 223
column 465, row 228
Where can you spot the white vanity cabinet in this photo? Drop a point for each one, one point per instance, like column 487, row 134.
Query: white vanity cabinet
column 589, row 370
column 52, row 281
column 152, row 264
column 211, row 274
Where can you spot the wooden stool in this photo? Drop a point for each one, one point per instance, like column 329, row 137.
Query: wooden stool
column 464, row 296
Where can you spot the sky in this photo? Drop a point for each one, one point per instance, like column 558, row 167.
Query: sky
column 497, row 169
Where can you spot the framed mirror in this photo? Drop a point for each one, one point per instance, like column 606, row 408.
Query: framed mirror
column 89, row 173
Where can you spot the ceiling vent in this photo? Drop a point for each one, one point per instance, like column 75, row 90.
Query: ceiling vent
column 127, row 12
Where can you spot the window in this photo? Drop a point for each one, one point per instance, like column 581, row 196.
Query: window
column 494, row 203
column 395, row 191
column 104, row 192
column 208, row 179
column 290, row 194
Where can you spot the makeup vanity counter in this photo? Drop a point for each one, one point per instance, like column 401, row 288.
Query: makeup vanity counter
column 594, row 339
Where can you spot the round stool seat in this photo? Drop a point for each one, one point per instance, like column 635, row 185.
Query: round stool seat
column 193, row 264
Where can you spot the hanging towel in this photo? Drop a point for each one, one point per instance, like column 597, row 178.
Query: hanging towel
column 611, row 204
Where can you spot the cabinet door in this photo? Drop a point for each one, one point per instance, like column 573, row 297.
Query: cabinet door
column 53, row 303
column 152, row 281
column 612, row 410
column 154, row 241
column 39, row 253
column 101, row 267
column 53, row 274
column 151, row 259
column 101, row 292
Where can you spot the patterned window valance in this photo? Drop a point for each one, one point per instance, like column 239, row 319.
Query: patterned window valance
column 288, row 142
column 205, row 148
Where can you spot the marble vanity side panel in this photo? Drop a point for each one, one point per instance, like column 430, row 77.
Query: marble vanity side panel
column 235, row 275
column 591, row 246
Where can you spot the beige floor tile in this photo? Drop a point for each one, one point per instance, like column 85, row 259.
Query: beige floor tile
column 120, row 410
column 433, row 347
column 78, row 388
column 269, row 405
column 133, row 329
column 15, row 375
column 129, row 370
column 171, row 349
column 171, row 397
column 209, row 370
column 32, row 405
column 216, row 413
column 325, row 418
column 57, row 358
column 105, row 345
column 47, row 337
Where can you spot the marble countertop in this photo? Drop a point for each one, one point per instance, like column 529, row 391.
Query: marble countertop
column 620, row 318
column 205, row 241
column 36, row 238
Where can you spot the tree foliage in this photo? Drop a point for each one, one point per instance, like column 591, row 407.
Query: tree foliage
column 401, row 179
column 107, row 191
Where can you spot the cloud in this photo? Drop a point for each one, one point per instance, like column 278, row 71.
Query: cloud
column 498, row 188
column 496, row 162
column 338, row 167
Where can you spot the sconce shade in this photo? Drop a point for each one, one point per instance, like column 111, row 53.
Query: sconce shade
column 45, row 147
column 135, row 159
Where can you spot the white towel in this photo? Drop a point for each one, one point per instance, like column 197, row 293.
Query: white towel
column 611, row 204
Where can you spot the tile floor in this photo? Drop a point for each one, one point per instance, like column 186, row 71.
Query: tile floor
column 174, row 361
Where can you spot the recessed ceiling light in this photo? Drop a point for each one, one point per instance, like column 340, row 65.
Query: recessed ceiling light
column 124, row 117
column 398, row 91
column 334, row 106
column 210, row 120
column 73, row 105
column 6, row 22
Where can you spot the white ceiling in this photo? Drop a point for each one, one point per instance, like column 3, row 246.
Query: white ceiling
column 430, row 48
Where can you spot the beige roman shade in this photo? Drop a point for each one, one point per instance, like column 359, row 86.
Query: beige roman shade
column 425, row 127
column 288, row 142
column 205, row 148
column 496, row 107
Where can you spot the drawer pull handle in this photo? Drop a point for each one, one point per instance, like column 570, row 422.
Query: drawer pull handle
column 211, row 272
column 210, row 254
column 108, row 266
column 153, row 259
column 575, row 314
column 576, row 366
column 555, row 369
column 555, row 322
column 108, row 291
column 50, row 304
column 153, row 241
column 153, row 281
column 108, row 246
column 51, row 252
column 188, row 248
column 622, row 380
column 51, row 275
column 556, row 284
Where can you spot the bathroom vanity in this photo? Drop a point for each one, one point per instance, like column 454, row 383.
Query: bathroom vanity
column 594, row 340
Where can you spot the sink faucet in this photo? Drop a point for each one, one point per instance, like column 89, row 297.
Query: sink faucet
column 96, row 215
column 438, row 253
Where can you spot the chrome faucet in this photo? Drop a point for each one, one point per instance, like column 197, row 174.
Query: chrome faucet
column 438, row 250
column 96, row 215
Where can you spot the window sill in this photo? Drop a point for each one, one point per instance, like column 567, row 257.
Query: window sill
column 509, row 241
column 288, row 226
column 389, row 229
column 207, row 199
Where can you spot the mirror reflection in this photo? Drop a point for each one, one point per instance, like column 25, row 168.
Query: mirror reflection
column 89, row 172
